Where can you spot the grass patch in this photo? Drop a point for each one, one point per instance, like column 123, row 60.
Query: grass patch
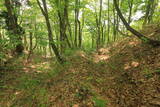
column 147, row 73
column 99, row 102
column 157, row 71
column 70, row 52
column 28, row 83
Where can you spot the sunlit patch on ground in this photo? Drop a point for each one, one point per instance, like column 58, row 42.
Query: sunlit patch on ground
column 99, row 58
column 102, row 55
column 127, row 66
column 38, row 67
column 133, row 43
column 132, row 64
column 81, row 53
column 17, row 93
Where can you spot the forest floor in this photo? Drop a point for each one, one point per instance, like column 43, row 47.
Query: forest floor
column 124, row 74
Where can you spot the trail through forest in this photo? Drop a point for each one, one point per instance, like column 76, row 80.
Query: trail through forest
column 124, row 74
column 80, row 53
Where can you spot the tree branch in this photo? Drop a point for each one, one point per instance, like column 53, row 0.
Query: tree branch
column 39, row 4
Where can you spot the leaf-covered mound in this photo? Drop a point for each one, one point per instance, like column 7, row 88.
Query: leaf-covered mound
column 124, row 74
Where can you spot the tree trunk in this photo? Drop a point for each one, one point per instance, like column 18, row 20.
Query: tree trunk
column 79, row 34
column 148, row 8
column 13, row 27
column 130, row 3
column 61, row 27
column 76, row 22
column 114, row 24
column 108, row 35
column 99, row 25
column 151, row 4
column 104, row 32
column 66, row 22
column 31, row 42
column 50, row 34
column 63, row 20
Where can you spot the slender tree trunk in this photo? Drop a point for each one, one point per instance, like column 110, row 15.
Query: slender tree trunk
column 114, row 24
column 117, row 22
column 130, row 3
column 70, row 32
column 100, row 22
column 25, row 42
column 153, row 6
column 104, row 30
column 62, row 32
column 147, row 11
column 80, row 26
column 108, row 22
column 68, row 24
column 99, row 25
column 103, row 33
column 98, row 33
column 121, row 32
column 0, row 34
column 63, row 16
column 50, row 34
column 76, row 22
column 79, row 34
column 31, row 43
column 92, row 42
column 36, row 40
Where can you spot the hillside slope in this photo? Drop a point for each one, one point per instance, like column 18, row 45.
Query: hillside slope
column 125, row 74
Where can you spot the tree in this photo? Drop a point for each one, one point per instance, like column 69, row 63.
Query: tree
column 147, row 40
column 11, row 19
column 76, row 22
column 130, row 4
column 50, row 34
column 150, row 8
column 108, row 22
column 62, row 11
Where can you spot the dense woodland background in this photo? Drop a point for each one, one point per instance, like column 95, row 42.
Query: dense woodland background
column 100, row 41
column 40, row 26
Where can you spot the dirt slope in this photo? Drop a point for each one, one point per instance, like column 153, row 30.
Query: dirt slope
column 126, row 74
